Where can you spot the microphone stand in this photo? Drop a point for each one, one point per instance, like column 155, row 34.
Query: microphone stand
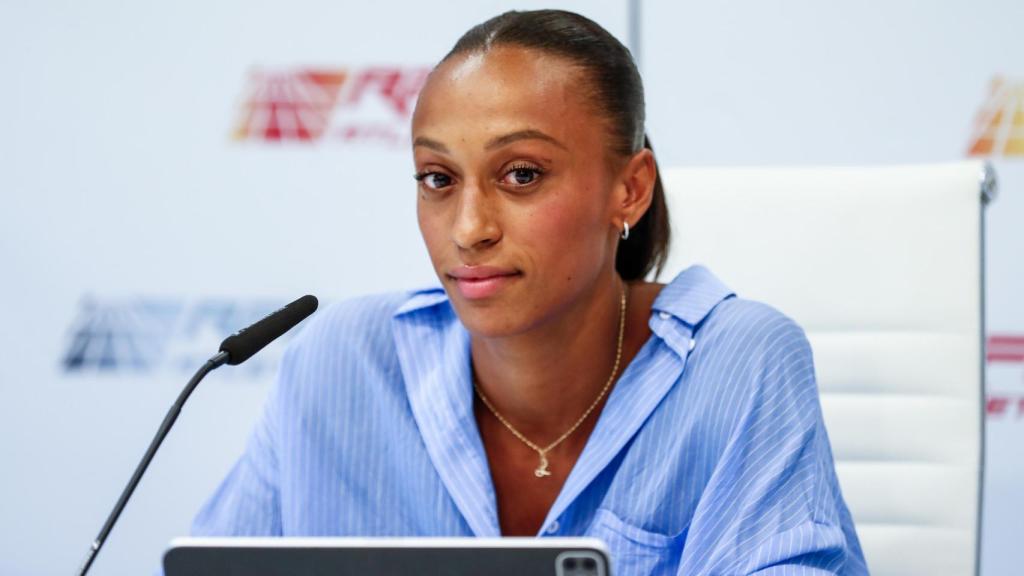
column 214, row 362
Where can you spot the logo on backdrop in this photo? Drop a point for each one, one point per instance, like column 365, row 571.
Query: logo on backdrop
column 998, row 131
column 999, row 124
column 370, row 105
column 1006, row 348
column 153, row 335
column 1005, row 356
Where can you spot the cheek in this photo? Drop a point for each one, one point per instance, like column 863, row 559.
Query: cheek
column 569, row 234
column 432, row 229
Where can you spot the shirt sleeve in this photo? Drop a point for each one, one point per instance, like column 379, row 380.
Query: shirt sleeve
column 772, row 505
column 247, row 502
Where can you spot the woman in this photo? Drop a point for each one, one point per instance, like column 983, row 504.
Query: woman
column 547, row 389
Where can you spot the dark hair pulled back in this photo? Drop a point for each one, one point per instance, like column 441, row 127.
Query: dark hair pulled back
column 618, row 92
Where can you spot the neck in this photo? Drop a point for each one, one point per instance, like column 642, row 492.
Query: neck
column 544, row 379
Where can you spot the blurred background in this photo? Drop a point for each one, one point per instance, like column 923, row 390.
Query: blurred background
column 170, row 172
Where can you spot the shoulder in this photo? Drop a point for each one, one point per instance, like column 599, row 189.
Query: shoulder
column 742, row 346
column 737, row 328
column 750, row 371
column 345, row 360
column 760, row 359
column 748, row 326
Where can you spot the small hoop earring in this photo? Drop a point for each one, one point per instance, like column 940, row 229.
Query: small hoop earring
column 625, row 231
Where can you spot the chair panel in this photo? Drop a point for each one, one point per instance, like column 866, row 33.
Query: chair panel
column 903, row 550
column 882, row 268
column 893, row 428
column 873, row 362
column 905, row 493
column 885, row 248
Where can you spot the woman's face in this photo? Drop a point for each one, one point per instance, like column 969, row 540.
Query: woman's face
column 516, row 192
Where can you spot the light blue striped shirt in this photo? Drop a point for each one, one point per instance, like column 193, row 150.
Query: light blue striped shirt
column 710, row 456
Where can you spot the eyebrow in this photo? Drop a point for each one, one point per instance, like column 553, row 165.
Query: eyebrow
column 429, row 143
column 498, row 142
column 529, row 134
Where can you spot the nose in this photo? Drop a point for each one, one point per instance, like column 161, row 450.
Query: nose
column 476, row 222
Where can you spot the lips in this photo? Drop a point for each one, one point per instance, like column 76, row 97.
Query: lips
column 479, row 282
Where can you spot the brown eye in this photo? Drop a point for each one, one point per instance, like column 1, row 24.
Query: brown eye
column 434, row 180
column 521, row 176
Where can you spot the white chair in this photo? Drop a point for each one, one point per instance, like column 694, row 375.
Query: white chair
column 882, row 266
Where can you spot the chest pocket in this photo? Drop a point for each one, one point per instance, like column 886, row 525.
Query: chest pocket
column 636, row 551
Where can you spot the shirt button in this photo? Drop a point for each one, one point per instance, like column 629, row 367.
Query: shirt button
column 693, row 344
column 552, row 528
column 664, row 315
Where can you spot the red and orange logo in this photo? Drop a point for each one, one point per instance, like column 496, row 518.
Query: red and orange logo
column 292, row 105
column 1006, row 348
column 1005, row 351
column 999, row 124
column 307, row 105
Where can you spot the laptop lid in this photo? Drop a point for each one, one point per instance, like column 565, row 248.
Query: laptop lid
column 386, row 557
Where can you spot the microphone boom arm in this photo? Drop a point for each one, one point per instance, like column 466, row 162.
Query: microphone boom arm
column 213, row 363
column 235, row 349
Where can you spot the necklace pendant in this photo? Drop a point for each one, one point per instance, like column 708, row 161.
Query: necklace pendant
column 542, row 470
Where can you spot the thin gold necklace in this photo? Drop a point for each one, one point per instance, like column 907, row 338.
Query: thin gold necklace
column 542, row 469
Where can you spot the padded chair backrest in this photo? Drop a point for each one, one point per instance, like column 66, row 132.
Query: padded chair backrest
column 882, row 266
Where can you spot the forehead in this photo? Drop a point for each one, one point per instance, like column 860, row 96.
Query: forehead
column 482, row 94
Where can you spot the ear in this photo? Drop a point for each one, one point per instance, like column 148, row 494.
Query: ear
column 635, row 189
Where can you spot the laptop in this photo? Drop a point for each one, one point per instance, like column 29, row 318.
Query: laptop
column 386, row 557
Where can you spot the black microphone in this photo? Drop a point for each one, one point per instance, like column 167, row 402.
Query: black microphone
column 241, row 345
column 234, row 350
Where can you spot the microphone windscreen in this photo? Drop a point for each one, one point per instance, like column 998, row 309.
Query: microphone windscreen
column 241, row 345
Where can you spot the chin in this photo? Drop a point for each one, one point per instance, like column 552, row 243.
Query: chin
column 489, row 318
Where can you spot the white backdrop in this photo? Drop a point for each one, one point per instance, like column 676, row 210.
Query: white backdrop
column 140, row 224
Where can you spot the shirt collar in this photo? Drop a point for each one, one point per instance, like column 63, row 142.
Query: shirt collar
column 422, row 299
column 692, row 295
